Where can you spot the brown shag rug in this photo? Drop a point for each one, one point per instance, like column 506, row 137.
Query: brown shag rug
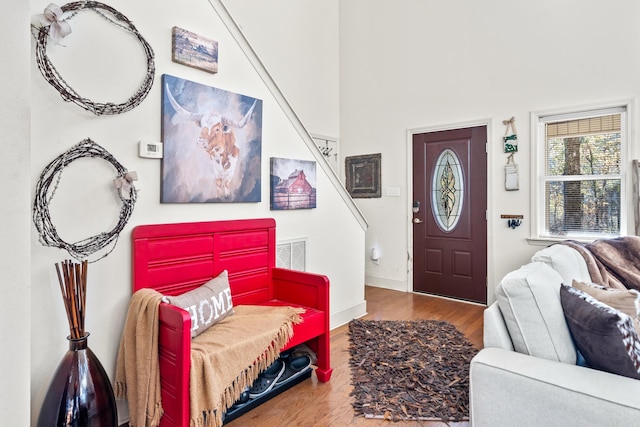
column 409, row 370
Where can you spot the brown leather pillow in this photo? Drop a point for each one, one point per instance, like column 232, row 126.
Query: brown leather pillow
column 625, row 300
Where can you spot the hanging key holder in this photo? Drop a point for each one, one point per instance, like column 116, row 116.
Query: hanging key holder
column 510, row 138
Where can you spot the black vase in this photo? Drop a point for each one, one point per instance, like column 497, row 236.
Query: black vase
column 80, row 393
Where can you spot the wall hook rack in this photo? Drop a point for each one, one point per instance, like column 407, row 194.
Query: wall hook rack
column 513, row 221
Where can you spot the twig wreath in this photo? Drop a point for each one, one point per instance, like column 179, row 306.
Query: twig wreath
column 51, row 175
column 55, row 26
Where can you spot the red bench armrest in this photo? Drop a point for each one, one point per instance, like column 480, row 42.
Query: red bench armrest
column 174, row 348
column 301, row 288
column 310, row 290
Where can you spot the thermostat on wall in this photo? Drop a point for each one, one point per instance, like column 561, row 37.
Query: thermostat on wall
column 150, row 150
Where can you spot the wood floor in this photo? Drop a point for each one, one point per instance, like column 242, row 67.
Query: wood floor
column 314, row 404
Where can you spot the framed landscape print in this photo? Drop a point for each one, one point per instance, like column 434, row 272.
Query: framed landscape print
column 194, row 50
column 212, row 144
column 293, row 184
column 363, row 176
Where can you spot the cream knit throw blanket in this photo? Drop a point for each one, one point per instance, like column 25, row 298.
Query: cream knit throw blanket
column 137, row 372
column 229, row 356
column 225, row 359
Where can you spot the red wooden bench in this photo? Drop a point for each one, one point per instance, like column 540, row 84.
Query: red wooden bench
column 175, row 258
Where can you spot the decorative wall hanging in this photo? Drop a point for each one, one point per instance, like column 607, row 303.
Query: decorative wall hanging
column 54, row 25
column 52, row 173
column 212, row 144
column 510, row 138
column 511, row 178
column 363, row 176
column 194, row 50
column 293, row 184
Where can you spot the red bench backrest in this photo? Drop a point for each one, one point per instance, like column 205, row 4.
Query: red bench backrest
column 175, row 258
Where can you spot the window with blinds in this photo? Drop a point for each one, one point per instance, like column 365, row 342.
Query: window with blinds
column 582, row 175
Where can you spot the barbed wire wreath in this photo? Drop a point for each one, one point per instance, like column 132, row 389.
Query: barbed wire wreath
column 52, row 173
column 54, row 25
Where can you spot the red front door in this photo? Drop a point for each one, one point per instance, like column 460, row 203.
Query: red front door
column 450, row 227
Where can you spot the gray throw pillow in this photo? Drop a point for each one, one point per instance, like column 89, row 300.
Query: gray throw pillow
column 605, row 336
column 207, row 305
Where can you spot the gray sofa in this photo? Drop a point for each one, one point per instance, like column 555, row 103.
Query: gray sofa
column 526, row 374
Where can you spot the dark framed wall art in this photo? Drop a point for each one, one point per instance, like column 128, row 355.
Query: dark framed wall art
column 363, row 176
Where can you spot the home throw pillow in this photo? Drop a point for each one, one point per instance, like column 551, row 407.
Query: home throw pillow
column 207, row 305
column 605, row 336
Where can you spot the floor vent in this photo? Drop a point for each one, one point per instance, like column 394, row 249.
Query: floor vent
column 292, row 254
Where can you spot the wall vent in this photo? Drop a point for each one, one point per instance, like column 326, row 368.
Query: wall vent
column 292, row 254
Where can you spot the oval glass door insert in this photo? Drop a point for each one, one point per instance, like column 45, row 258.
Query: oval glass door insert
column 447, row 190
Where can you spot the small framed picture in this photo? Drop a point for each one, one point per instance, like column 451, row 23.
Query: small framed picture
column 194, row 50
column 293, row 184
column 363, row 176
column 510, row 143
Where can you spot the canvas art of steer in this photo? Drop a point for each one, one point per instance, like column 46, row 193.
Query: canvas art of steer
column 212, row 144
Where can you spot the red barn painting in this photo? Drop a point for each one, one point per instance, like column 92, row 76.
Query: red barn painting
column 293, row 184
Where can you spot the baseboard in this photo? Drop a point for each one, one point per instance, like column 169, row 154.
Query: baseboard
column 348, row 314
column 382, row 282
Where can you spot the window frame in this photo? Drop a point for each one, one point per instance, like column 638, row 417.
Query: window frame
column 538, row 172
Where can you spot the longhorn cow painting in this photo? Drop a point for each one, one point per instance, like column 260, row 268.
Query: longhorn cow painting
column 212, row 144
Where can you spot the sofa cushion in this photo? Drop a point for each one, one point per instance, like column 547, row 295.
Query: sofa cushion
column 567, row 261
column 605, row 336
column 529, row 299
column 624, row 300
column 207, row 304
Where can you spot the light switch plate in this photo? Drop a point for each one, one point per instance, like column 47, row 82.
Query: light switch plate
column 392, row 191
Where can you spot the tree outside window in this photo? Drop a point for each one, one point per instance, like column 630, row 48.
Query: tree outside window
column 581, row 182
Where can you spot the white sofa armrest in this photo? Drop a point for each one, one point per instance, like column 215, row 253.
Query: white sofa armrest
column 512, row 389
column 495, row 331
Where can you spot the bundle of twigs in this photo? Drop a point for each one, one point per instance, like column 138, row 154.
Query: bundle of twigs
column 73, row 285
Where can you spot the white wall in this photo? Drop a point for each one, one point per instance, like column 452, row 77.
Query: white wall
column 297, row 40
column 15, row 213
column 103, row 64
column 418, row 64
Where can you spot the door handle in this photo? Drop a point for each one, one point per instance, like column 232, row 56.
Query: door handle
column 417, row 221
